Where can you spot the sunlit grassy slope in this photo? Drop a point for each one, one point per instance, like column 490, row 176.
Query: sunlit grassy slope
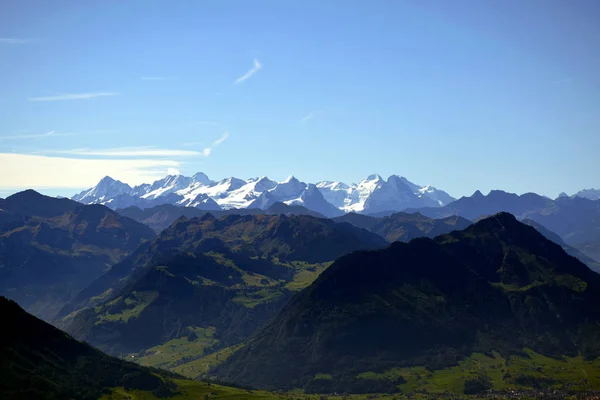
column 184, row 349
column 201, row 366
column 192, row 390
column 528, row 371
column 570, row 373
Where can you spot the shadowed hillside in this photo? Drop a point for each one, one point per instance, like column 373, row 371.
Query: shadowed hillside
column 38, row 361
column 498, row 285
column 51, row 248
column 403, row 226
column 215, row 279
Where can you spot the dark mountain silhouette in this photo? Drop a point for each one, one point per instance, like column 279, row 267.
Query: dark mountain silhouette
column 282, row 208
column 576, row 220
column 50, row 249
column 359, row 220
column 162, row 216
column 478, row 205
column 404, row 227
column 499, row 285
column 38, row 361
column 30, row 202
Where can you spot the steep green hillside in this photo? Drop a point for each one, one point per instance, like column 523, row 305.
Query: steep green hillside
column 497, row 286
column 207, row 283
column 38, row 361
column 51, row 248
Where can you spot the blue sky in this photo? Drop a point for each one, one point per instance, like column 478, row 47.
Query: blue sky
column 463, row 95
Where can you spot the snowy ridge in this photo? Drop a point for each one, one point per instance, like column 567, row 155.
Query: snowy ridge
column 374, row 194
column 330, row 198
column 107, row 188
column 591, row 194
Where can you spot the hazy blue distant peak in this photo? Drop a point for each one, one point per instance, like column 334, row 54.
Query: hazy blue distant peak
column 592, row 194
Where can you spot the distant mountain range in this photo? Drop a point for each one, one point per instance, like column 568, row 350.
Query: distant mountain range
column 575, row 219
column 403, row 227
column 592, row 194
column 162, row 216
column 372, row 195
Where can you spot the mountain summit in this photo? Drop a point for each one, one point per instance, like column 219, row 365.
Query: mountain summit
column 372, row 195
column 52, row 248
column 106, row 189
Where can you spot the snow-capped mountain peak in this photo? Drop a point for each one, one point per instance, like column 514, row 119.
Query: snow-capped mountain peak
column 313, row 199
column 263, row 184
column 333, row 185
column 169, row 184
column 202, row 178
column 204, row 202
column 404, row 181
column 288, row 188
column 591, row 194
column 106, row 189
column 373, row 177
column 372, row 194
column 290, row 179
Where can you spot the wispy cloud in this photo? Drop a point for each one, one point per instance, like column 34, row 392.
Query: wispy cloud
column 81, row 168
column 255, row 68
column 74, row 96
column 206, row 123
column 15, row 41
column 19, row 171
column 208, row 150
column 52, row 134
column 309, row 116
column 35, row 135
column 147, row 151
column 158, row 78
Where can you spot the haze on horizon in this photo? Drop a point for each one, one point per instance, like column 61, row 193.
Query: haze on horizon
column 464, row 95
